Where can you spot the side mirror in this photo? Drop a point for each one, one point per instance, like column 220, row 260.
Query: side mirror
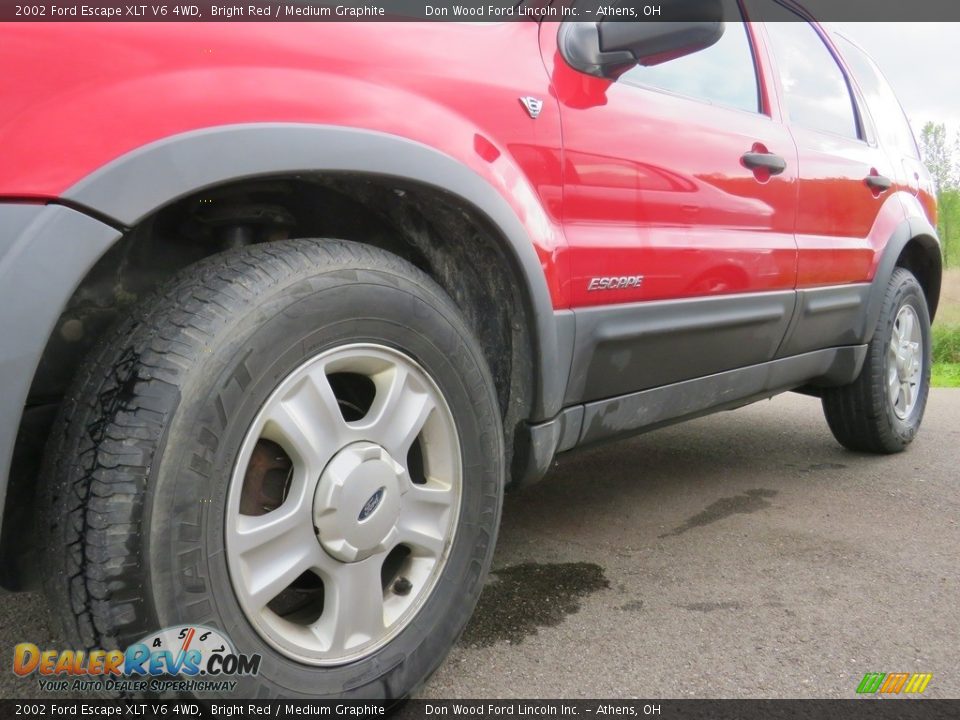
column 608, row 48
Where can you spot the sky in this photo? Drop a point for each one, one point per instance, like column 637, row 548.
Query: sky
column 920, row 62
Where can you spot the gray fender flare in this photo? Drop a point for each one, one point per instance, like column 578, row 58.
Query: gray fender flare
column 137, row 184
column 910, row 229
column 45, row 251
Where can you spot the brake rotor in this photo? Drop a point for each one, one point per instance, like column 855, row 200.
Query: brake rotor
column 267, row 479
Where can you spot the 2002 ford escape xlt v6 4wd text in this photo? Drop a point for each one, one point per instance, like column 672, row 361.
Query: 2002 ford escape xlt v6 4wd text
column 290, row 306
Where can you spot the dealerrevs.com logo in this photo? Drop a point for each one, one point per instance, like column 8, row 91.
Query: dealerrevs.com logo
column 189, row 658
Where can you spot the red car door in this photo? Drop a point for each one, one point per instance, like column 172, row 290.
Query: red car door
column 888, row 123
column 846, row 206
column 681, row 254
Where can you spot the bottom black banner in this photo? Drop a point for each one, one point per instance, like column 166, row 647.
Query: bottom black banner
column 900, row 709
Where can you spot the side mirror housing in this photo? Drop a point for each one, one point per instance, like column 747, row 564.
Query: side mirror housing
column 608, row 48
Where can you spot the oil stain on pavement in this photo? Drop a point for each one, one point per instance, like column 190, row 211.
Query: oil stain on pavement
column 520, row 598
column 748, row 502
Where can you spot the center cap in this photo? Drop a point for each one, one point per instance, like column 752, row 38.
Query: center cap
column 357, row 503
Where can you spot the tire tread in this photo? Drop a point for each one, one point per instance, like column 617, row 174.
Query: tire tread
column 857, row 413
column 111, row 424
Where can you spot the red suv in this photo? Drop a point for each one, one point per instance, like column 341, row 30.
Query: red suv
column 291, row 305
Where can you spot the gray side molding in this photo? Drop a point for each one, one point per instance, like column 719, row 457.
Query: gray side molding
column 44, row 253
column 137, row 184
column 658, row 407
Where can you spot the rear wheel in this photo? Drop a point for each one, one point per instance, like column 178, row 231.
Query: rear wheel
column 882, row 409
column 297, row 444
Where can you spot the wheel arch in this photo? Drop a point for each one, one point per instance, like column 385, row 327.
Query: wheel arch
column 188, row 163
column 914, row 245
column 120, row 199
column 922, row 256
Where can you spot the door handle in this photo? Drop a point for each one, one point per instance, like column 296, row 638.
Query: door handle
column 768, row 161
column 878, row 182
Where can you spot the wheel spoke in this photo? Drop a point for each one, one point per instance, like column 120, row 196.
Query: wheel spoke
column 906, row 327
column 913, row 357
column 907, row 390
column 307, row 423
column 434, row 493
column 892, row 365
column 421, row 540
column 894, row 389
column 399, row 412
column 353, row 605
column 274, row 549
column 321, row 402
column 424, row 516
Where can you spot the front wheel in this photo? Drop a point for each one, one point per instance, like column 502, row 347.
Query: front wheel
column 297, row 445
column 882, row 409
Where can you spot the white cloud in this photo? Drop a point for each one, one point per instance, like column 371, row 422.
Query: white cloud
column 920, row 61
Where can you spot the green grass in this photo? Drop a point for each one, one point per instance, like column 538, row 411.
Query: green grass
column 946, row 355
column 946, row 333
column 946, row 343
column 946, row 375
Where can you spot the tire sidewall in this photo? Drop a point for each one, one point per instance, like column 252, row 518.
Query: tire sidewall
column 186, row 558
column 905, row 291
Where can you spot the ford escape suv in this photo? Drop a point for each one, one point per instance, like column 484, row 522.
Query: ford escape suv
column 287, row 307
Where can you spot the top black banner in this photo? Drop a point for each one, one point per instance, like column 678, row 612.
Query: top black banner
column 478, row 11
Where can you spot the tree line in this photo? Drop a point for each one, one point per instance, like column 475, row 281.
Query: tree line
column 942, row 158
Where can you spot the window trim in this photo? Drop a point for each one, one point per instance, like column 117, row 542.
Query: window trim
column 751, row 44
column 852, row 90
column 915, row 154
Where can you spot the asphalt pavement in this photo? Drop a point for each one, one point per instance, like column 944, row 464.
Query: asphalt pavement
column 741, row 555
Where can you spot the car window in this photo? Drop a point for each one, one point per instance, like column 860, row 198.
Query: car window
column 814, row 87
column 885, row 109
column 723, row 74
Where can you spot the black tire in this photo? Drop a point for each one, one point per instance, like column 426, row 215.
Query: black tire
column 861, row 415
column 137, row 470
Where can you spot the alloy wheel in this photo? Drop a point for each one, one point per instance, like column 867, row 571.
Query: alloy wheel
column 343, row 504
column 905, row 362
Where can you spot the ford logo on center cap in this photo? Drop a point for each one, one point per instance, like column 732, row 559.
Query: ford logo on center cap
column 370, row 505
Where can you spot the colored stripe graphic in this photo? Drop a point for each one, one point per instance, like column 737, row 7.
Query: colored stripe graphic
column 918, row 682
column 871, row 682
column 894, row 683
